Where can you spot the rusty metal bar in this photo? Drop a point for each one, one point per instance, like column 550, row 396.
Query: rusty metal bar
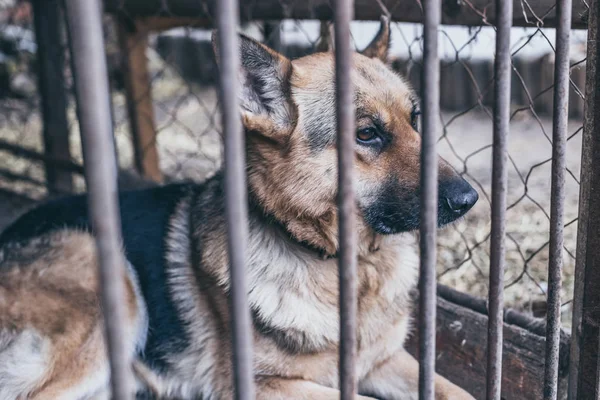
column 346, row 140
column 93, row 109
column 236, row 207
column 559, row 148
column 586, row 310
column 430, row 84
column 502, row 71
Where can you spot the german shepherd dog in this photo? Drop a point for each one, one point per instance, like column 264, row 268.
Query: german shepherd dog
column 177, row 280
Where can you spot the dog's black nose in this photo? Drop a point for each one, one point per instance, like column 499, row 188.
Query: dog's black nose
column 458, row 196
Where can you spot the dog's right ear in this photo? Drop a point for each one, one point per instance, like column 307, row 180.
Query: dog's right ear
column 265, row 79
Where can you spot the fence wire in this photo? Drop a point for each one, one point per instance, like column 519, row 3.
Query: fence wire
column 186, row 141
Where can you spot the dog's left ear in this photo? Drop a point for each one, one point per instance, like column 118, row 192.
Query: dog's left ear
column 380, row 45
column 265, row 93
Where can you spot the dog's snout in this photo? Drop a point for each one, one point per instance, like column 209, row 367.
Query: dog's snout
column 458, row 196
column 463, row 201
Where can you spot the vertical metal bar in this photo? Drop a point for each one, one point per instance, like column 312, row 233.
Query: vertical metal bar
column 236, row 195
column 502, row 71
column 559, row 144
column 48, row 22
column 430, row 84
column 343, row 14
column 587, row 325
column 91, row 88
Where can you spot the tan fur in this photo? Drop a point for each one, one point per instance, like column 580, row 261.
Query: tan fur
column 50, row 311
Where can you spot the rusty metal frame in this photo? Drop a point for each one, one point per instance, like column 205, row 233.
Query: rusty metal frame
column 236, row 207
column 430, row 85
column 584, row 368
column 502, row 72
column 559, row 150
column 93, row 110
column 343, row 12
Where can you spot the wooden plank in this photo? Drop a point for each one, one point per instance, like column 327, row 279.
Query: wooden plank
column 51, row 62
column 461, row 348
column 471, row 13
column 133, row 40
column 586, row 312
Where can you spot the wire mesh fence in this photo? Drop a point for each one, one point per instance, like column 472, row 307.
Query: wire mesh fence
column 167, row 122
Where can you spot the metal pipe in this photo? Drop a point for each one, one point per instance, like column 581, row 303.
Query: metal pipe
column 502, row 71
column 236, row 206
column 93, row 108
column 559, row 149
column 346, row 140
column 585, row 383
column 430, row 85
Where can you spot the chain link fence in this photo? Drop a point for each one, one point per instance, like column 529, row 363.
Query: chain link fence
column 166, row 117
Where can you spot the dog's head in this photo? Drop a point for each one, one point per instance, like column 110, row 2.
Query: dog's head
column 288, row 111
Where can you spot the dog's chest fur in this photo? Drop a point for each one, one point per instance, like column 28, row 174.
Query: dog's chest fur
column 293, row 294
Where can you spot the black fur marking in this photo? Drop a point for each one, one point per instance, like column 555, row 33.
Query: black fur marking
column 397, row 208
column 144, row 218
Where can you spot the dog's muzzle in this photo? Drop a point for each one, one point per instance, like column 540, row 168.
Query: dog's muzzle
column 397, row 208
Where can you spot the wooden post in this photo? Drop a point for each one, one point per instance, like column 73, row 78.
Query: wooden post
column 133, row 40
column 51, row 61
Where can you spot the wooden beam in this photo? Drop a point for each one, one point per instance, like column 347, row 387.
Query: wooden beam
column 51, row 61
column 461, row 348
column 471, row 13
column 133, row 38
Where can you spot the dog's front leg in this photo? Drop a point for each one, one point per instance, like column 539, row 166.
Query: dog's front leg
column 276, row 388
column 398, row 378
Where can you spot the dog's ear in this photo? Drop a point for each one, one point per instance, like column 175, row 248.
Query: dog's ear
column 325, row 42
column 380, row 45
column 265, row 79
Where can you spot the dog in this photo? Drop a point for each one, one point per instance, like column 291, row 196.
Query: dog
column 177, row 279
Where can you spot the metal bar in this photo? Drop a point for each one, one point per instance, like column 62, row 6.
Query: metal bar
column 93, row 108
column 586, row 324
column 502, row 71
column 50, row 56
column 559, row 144
column 430, row 86
column 236, row 195
column 346, row 140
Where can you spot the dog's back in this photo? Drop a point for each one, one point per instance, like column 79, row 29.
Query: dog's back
column 144, row 218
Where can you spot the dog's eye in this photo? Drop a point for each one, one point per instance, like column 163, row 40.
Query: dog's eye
column 414, row 118
column 367, row 135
